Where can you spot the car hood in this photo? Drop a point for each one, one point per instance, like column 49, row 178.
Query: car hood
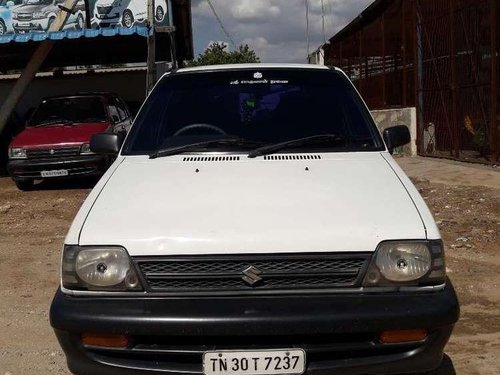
column 31, row 8
column 342, row 202
column 57, row 135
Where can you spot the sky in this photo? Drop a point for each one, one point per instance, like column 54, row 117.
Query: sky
column 275, row 29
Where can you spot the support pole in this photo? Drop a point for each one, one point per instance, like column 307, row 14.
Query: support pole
column 494, row 83
column 404, row 50
column 384, row 68
column 151, row 40
column 361, row 62
column 453, row 53
column 36, row 61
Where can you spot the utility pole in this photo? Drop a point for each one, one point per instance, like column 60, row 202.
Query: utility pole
column 151, row 73
column 34, row 64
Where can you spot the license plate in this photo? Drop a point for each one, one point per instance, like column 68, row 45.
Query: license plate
column 286, row 361
column 56, row 173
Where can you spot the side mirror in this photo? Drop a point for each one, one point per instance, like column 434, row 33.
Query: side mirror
column 396, row 136
column 106, row 143
column 115, row 118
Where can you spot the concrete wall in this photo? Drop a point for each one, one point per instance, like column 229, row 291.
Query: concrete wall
column 399, row 116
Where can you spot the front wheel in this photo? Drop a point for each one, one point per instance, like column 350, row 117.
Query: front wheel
column 446, row 368
column 24, row 185
column 80, row 22
column 51, row 21
column 3, row 28
column 159, row 14
column 127, row 19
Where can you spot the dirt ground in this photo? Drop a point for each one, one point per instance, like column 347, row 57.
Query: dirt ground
column 465, row 201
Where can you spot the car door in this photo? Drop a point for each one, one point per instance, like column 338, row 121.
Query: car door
column 140, row 9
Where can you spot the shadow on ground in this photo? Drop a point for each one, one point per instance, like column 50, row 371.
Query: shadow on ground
column 69, row 184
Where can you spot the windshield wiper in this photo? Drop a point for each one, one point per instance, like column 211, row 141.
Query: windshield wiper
column 215, row 142
column 266, row 150
column 54, row 122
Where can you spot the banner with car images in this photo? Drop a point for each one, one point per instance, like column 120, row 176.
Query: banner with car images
column 27, row 16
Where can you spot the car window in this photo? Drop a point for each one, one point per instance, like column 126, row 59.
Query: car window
column 69, row 110
column 267, row 106
column 113, row 112
column 121, row 108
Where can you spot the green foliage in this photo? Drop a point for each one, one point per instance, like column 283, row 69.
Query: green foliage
column 217, row 54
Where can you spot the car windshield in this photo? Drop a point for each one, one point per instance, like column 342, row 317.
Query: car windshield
column 266, row 107
column 69, row 110
column 44, row 2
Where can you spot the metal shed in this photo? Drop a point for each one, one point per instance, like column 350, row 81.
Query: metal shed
column 440, row 56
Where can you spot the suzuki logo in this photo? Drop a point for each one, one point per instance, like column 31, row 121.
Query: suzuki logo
column 251, row 275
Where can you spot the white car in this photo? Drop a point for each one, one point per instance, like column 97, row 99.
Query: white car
column 126, row 13
column 254, row 222
column 38, row 15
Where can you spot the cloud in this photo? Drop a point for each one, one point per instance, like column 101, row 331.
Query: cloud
column 276, row 29
column 254, row 11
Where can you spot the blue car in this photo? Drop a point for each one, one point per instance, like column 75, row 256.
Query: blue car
column 6, row 7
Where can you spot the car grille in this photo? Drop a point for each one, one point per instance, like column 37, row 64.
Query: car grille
column 104, row 10
column 252, row 273
column 24, row 16
column 45, row 153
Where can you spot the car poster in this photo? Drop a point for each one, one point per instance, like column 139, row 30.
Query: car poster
column 26, row 16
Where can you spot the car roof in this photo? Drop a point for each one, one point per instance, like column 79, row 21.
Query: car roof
column 252, row 66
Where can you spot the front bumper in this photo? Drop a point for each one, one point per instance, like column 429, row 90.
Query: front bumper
column 30, row 169
column 33, row 25
column 338, row 332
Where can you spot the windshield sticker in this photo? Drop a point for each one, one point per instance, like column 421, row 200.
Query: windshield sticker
column 259, row 81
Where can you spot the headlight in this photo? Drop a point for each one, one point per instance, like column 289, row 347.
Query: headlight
column 17, row 153
column 85, row 149
column 38, row 15
column 417, row 263
column 98, row 269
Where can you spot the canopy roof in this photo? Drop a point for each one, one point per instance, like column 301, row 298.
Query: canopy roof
column 103, row 46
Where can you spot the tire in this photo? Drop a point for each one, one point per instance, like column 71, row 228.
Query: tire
column 446, row 368
column 51, row 21
column 80, row 22
column 127, row 19
column 159, row 14
column 24, row 185
column 3, row 28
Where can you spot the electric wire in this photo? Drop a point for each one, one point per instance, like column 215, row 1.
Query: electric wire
column 307, row 28
column 221, row 24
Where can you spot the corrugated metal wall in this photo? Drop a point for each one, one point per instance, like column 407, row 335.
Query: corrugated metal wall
column 439, row 56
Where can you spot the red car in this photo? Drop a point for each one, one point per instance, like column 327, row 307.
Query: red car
column 55, row 143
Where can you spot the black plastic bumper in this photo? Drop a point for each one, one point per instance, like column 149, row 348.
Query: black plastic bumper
column 338, row 332
column 27, row 169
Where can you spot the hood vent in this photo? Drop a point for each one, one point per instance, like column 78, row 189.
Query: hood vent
column 292, row 157
column 211, row 158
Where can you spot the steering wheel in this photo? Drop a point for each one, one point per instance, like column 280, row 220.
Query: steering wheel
column 187, row 128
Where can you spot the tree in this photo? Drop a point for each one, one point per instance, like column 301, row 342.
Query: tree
column 217, row 54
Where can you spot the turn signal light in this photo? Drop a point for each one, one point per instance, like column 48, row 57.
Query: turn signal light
column 107, row 341
column 409, row 335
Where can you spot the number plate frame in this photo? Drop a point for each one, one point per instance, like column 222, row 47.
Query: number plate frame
column 254, row 368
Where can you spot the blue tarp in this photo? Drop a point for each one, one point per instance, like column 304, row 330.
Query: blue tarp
column 73, row 34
